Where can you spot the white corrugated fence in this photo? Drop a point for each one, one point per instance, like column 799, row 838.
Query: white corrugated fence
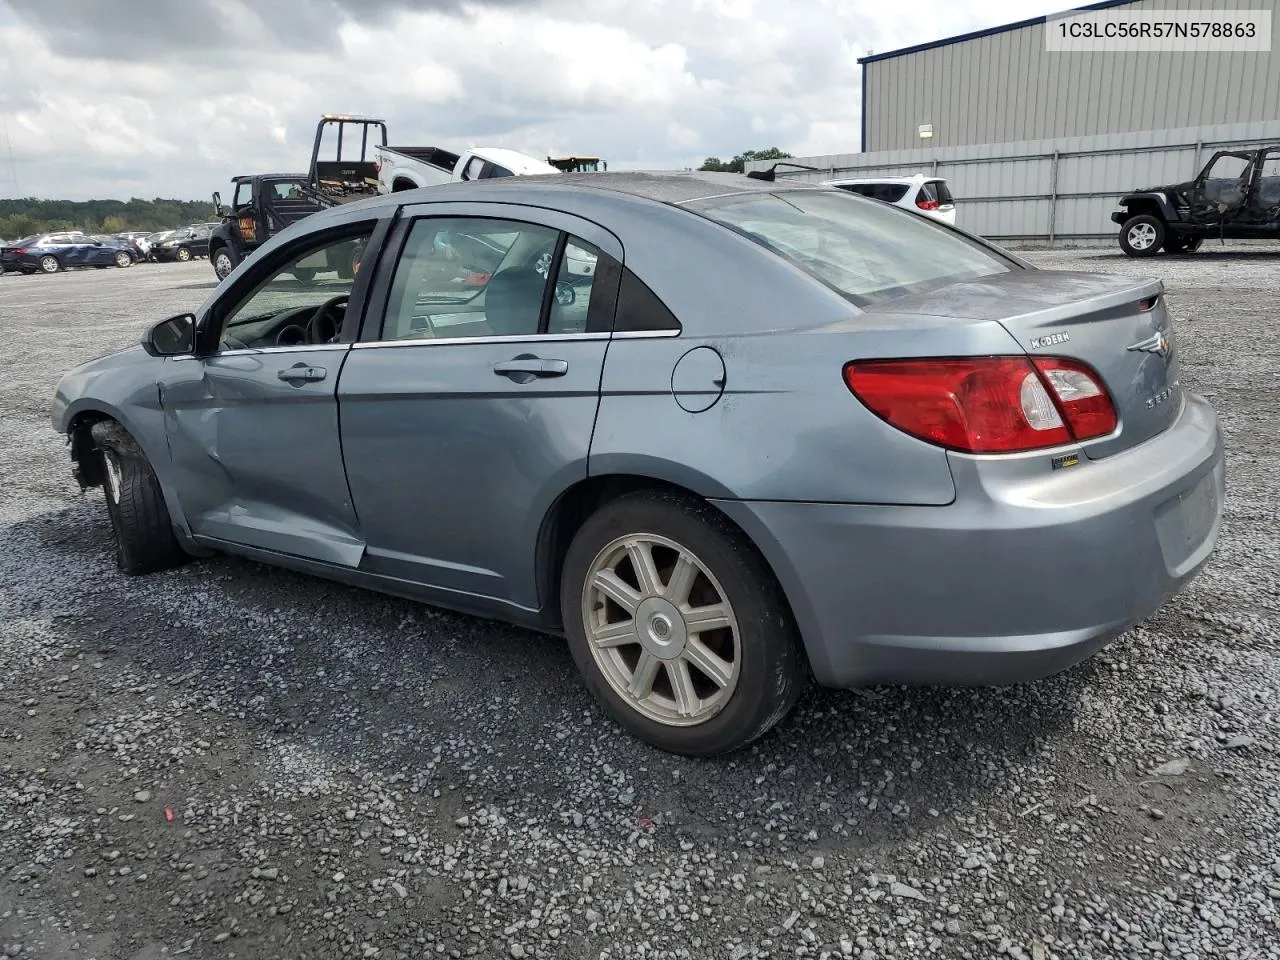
column 1050, row 191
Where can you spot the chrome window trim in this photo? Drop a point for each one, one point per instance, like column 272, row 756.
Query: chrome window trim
column 646, row 334
column 528, row 338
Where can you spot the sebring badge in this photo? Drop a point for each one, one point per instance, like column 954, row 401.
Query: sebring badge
column 1156, row 343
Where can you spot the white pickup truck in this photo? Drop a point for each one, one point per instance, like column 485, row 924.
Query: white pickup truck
column 407, row 168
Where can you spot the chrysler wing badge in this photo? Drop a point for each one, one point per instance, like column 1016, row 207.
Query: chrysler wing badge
column 1157, row 343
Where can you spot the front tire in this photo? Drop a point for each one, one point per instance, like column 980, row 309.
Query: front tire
column 678, row 626
column 145, row 542
column 1142, row 236
column 183, row 255
column 224, row 261
column 49, row 264
column 123, row 260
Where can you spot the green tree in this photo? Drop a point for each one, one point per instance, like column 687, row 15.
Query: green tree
column 25, row 216
column 739, row 163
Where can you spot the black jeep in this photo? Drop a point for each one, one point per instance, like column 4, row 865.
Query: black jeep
column 1236, row 196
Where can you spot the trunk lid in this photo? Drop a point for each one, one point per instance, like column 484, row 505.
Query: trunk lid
column 1119, row 326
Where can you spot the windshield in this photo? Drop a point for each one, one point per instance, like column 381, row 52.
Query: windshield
column 866, row 250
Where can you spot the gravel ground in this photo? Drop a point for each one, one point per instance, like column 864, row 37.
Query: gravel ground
column 232, row 761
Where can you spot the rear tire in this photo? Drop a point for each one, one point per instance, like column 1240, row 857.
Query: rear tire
column 1142, row 236
column 49, row 264
column 145, row 542
column 696, row 704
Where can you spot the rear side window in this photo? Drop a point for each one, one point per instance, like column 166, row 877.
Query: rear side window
column 869, row 252
column 639, row 308
column 937, row 191
column 884, row 192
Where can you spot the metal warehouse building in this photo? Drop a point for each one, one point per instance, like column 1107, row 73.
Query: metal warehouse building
column 1038, row 145
column 1002, row 84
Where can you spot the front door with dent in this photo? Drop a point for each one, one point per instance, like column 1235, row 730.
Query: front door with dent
column 470, row 408
column 253, row 424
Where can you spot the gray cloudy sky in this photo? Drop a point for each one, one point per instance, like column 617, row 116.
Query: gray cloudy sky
column 157, row 98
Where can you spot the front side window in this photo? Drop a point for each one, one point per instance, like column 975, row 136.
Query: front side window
column 1230, row 167
column 869, row 252
column 479, row 277
column 301, row 302
column 244, row 195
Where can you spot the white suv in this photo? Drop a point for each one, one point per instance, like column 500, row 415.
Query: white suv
column 927, row 195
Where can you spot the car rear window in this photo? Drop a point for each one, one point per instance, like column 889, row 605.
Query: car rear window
column 936, row 190
column 870, row 252
column 885, row 192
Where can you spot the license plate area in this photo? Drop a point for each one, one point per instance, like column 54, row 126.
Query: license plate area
column 1186, row 523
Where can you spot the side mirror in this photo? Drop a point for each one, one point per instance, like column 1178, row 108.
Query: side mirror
column 171, row 338
column 217, row 204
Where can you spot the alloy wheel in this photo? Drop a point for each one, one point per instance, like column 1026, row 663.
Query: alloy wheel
column 1142, row 236
column 661, row 629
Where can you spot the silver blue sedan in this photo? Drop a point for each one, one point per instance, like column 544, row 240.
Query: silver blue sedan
column 725, row 434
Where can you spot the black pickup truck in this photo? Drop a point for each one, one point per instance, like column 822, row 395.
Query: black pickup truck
column 1235, row 197
column 262, row 205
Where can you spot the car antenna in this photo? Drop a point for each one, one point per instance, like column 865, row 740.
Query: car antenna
column 771, row 173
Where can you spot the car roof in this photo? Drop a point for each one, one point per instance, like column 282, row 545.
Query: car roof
column 664, row 186
column 918, row 178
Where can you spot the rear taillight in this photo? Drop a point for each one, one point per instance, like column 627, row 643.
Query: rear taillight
column 1080, row 395
column 927, row 204
column 986, row 404
column 20, row 251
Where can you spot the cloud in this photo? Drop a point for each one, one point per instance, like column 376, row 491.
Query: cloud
column 139, row 98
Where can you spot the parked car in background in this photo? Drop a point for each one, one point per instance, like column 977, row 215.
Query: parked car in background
column 137, row 243
column 928, row 195
column 185, row 244
column 51, row 252
column 154, row 239
column 782, row 432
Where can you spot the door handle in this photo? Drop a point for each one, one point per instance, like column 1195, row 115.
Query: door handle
column 530, row 367
column 301, row 373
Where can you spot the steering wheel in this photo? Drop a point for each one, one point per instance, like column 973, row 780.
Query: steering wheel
column 325, row 324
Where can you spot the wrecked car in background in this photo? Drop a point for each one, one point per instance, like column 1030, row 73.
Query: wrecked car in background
column 1235, row 197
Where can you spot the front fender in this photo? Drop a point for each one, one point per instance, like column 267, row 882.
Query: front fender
column 1147, row 199
column 123, row 387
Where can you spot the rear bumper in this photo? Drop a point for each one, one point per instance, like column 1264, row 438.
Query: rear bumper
column 1025, row 574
